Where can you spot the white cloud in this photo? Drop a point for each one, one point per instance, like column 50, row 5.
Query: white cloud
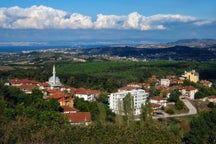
column 203, row 22
column 109, row 21
column 42, row 17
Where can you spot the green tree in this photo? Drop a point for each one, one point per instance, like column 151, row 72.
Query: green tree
column 128, row 107
column 203, row 129
column 119, row 118
column 146, row 111
column 103, row 98
column 179, row 105
column 174, row 96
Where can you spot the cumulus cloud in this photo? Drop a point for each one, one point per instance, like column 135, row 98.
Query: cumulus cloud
column 109, row 21
column 42, row 17
column 203, row 22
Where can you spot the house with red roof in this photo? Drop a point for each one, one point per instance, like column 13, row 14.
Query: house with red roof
column 79, row 118
column 206, row 83
column 158, row 100
column 66, row 109
column 156, row 107
column 63, row 98
column 210, row 99
column 188, row 91
column 86, row 94
column 76, row 117
column 126, row 88
column 19, row 82
column 27, row 88
column 42, row 85
column 135, row 85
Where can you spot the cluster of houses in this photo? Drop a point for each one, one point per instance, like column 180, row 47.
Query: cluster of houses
column 63, row 94
column 139, row 91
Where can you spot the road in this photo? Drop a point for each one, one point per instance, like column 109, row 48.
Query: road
column 192, row 111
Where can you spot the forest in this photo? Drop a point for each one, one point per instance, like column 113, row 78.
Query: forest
column 110, row 75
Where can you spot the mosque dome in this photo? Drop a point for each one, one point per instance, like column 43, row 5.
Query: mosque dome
column 54, row 82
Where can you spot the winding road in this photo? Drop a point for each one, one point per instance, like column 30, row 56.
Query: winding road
column 192, row 111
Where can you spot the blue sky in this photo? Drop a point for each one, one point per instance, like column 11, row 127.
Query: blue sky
column 131, row 19
column 198, row 8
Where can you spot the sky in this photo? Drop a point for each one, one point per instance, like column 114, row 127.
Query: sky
column 71, row 20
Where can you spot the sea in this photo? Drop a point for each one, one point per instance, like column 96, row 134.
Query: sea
column 4, row 49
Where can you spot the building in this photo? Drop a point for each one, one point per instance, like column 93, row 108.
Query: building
column 206, row 83
column 126, row 88
column 165, row 82
column 210, row 99
column 191, row 76
column 64, row 98
column 116, row 100
column 54, row 81
column 78, row 118
column 158, row 100
column 189, row 91
column 86, row 94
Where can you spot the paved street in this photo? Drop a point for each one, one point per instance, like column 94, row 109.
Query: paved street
column 192, row 111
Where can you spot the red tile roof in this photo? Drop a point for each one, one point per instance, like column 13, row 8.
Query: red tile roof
column 68, row 109
column 126, row 88
column 86, row 91
column 155, row 105
column 189, row 88
column 26, row 87
column 211, row 97
column 22, row 81
column 79, row 117
column 57, row 94
column 43, row 84
column 158, row 98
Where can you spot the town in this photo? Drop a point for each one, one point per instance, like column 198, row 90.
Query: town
column 167, row 96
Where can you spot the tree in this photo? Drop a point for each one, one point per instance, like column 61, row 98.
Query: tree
column 174, row 96
column 211, row 105
column 203, row 129
column 103, row 98
column 179, row 104
column 146, row 111
column 128, row 106
column 85, row 106
column 119, row 118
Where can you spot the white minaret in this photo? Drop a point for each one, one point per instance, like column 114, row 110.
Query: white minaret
column 54, row 75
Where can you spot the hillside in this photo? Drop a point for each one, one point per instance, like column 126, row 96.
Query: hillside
column 175, row 52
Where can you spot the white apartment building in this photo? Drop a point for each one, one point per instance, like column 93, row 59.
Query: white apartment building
column 116, row 100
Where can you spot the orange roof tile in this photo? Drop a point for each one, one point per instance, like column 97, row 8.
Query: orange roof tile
column 189, row 88
column 68, row 109
column 43, row 84
column 79, row 117
column 158, row 98
column 155, row 105
column 22, row 81
column 27, row 87
column 211, row 97
column 126, row 88
column 86, row 91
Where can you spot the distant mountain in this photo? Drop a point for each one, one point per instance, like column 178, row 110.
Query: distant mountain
column 175, row 52
column 195, row 42
column 199, row 43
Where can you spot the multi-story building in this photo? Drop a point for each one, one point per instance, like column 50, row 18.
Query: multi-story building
column 191, row 76
column 116, row 100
